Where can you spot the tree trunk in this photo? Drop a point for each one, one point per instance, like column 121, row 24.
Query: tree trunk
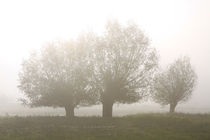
column 172, row 107
column 107, row 109
column 69, row 111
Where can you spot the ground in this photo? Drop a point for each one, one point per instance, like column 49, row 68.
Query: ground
column 135, row 127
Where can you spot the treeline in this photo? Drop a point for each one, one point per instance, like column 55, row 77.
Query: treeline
column 118, row 66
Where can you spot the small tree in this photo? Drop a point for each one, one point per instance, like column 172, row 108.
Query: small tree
column 124, row 65
column 58, row 76
column 175, row 84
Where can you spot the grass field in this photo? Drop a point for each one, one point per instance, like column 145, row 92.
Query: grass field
column 135, row 127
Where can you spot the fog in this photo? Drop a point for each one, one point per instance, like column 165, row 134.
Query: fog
column 175, row 28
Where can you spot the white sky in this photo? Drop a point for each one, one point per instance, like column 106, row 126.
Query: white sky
column 175, row 27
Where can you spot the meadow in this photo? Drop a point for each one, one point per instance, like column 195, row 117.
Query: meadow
column 134, row 127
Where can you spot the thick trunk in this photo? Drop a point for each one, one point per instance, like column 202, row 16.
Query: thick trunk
column 107, row 109
column 69, row 111
column 172, row 107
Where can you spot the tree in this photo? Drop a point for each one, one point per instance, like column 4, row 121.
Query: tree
column 123, row 65
column 58, row 76
column 175, row 84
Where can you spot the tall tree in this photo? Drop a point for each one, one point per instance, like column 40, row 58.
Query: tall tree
column 58, row 76
column 176, row 84
column 124, row 64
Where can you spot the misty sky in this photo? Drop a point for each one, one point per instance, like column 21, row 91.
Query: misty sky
column 175, row 28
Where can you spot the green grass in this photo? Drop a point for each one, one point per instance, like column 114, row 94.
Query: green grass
column 135, row 127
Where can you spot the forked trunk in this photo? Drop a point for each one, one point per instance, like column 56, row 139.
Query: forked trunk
column 69, row 111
